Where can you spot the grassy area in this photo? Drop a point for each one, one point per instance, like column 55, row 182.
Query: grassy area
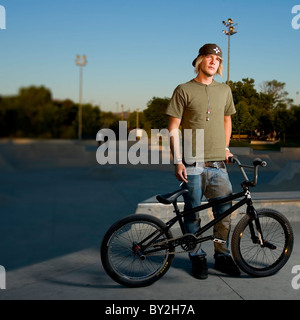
column 268, row 147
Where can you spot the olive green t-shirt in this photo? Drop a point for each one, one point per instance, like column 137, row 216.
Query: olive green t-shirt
column 194, row 103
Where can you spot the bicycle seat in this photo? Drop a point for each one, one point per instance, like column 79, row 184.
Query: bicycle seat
column 170, row 197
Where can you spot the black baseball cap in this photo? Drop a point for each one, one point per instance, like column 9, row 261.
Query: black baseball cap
column 209, row 48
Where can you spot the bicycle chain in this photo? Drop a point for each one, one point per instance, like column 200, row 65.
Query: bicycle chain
column 169, row 240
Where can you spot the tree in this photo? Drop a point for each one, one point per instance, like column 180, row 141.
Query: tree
column 275, row 90
column 242, row 120
column 244, row 91
column 156, row 112
column 294, row 128
column 33, row 113
column 35, row 96
column 91, row 121
column 66, row 118
column 31, row 103
column 132, row 120
column 8, row 116
column 258, row 110
column 283, row 119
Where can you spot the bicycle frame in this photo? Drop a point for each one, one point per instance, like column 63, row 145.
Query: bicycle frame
column 140, row 247
column 180, row 215
column 245, row 194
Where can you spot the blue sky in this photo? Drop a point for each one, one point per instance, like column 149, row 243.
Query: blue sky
column 137, row 49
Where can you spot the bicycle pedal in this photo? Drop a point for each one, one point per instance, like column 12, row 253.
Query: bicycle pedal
column 218, row 240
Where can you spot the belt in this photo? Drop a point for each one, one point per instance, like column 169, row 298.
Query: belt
column 208, row 164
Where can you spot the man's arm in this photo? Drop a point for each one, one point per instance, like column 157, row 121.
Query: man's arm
column 228, row 131
column 180, row 170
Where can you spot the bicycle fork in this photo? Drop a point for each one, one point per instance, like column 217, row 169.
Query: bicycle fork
column 258, row 239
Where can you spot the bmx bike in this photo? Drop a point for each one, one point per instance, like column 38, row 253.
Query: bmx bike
column 139, row 249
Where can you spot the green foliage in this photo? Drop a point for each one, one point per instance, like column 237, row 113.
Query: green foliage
column 134, row 117
column 156, row 112
column 244, row 91
column 33, row 113
column 243, row 121
column 275, row 90
column 264, row 112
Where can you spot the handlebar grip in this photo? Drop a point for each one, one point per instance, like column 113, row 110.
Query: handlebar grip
column 259, row 162
column 232, row 159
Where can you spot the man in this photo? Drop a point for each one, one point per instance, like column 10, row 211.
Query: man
column 203, row 103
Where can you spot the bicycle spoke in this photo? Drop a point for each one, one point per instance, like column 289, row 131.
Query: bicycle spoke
column 263, row 257
column 125, row 261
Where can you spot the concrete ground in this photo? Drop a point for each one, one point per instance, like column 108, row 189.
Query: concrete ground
column 56, row 203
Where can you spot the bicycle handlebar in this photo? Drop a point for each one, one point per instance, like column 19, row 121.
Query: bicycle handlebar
column 256, row 162
column 259, row 162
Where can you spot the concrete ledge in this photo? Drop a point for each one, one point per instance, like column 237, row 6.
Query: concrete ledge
column 288, row 203
column 241, row 151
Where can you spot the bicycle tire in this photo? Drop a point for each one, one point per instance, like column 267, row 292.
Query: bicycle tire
column 122, row 264
column 260, row 261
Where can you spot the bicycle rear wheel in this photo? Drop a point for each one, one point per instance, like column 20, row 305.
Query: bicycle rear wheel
column 257, row 260
column 121, row 257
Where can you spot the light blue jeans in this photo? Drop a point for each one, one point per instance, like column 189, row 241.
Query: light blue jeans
column 213, row 184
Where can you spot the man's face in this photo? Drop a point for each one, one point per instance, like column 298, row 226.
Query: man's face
column 210, row 64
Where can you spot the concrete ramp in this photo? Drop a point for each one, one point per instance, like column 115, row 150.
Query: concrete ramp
column 41, row 155
column 287, row 173
column 5, row 166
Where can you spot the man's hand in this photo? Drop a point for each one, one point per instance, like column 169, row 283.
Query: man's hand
column 228, row 155
column 180, row 172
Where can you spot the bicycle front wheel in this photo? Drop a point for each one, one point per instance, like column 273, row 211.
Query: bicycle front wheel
column 121, row 257
column 266, row 260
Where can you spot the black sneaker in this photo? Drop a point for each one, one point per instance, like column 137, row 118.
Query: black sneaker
column 199, row 267
column 226, row 265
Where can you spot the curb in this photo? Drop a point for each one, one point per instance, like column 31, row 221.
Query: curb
column 288, row 203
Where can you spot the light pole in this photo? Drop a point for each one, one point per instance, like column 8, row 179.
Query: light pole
column 81, row 62
column 231, row 31
column 137, row 118
column 122, row 107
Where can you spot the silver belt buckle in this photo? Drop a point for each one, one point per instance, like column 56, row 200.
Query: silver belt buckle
column 220, row 165
column 216, row 164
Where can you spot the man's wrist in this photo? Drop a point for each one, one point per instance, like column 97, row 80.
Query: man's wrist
column 178, row 161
